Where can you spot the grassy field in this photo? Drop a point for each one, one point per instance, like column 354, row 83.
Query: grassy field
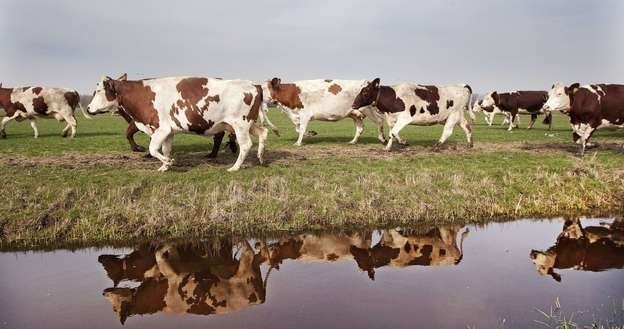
column 92, row 190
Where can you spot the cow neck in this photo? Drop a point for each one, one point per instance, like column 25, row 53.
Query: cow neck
column 5, row 97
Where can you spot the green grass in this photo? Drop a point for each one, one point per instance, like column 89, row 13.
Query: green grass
column 92, row 190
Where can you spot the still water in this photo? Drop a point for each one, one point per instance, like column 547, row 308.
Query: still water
column 449, row 277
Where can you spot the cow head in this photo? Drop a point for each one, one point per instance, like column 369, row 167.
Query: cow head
column 488, row 102
column 544, row 263
column 367, row 95
column 105, row 96
column 268, row 89
column 560, row 97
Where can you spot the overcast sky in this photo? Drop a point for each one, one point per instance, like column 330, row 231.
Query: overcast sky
column 519, row 44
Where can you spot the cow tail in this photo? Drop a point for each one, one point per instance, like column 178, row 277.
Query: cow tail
column 469, row 109
column 84, row 113
column 264, row 117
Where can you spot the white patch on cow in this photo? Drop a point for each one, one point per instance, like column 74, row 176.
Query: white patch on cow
column 558, row 100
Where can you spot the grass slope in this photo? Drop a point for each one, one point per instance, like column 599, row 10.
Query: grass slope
column 93, row 190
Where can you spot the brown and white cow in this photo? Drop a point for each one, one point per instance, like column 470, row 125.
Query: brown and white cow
column 132, row 130
column 590, row 107
column 206, row 106
column 593, row 248
column 323, row 100
column 190, row 279
column 437, row 247
column 30, row 103
column 512, row 104
column 413, row 104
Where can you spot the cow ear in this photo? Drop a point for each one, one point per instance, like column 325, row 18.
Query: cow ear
column 0, row 84
column 107, row 78
column 375, row 82
column 123, row 77
column 554, row 275
column 574, row 87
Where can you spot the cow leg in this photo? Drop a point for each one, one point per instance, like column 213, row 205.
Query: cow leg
column 71, row 121
column 216, row 144
column 358, row 120
column 232, row 143
column 262, row 134
column 394, row 132
column 66, row 130
column 130, row 131
column 465, row 125
column 584, row 132
column 244, row 144
column 450, row 123
column 489, row 118
column 167, row 146
column 303, row 126
column 4, row 122
column 156, row 142
column 533, row 118
column 512, row 119
column 34, row 127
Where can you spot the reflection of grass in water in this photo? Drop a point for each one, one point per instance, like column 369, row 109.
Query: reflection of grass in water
column 92, row 191
column 556, row 318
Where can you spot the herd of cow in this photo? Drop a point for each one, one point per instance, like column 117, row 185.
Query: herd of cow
column 212, row 106
column 222, row 276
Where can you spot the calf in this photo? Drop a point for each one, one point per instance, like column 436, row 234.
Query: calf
column 33, row 102
column 590, row 107
column 206, row 106
column 513, row 103
column 414, row 104
column 594, row 248
column 323, row 100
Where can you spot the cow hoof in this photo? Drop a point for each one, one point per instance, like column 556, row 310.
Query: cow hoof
column 147, row 156
column 212, row 155
column 311, row 133
column 352, row 142
column 138, row 149
column 436, row 147
column 297, row 144
column 233, row 169
column 3, row 135
column 470, row 145
column 163, row 168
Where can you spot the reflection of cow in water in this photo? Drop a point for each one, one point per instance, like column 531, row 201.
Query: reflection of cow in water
column 183, row 279
column 593, row 248
column 316, row 248
column 436, row 247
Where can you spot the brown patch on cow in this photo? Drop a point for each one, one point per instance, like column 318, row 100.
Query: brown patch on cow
column 586, row 107
column 328, row 80
column 40, row 106
column 252, row 298
column 193, row 89
column 201, row 309
column 388, row 102
column 19, row 106
column 138, row 101
column 72, row 98
column 334, row 89
column 332, row 257
column 172, row 113
column 214, row 98
column 407, row 247
column 248, row 98
column 286, row 94
column 37, row 90
column 412, row 110
column 255, row 107
column 5, row 101
column 430, row 95
column 449, row 103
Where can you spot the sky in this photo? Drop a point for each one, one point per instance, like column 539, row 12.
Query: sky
column 491, row 44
